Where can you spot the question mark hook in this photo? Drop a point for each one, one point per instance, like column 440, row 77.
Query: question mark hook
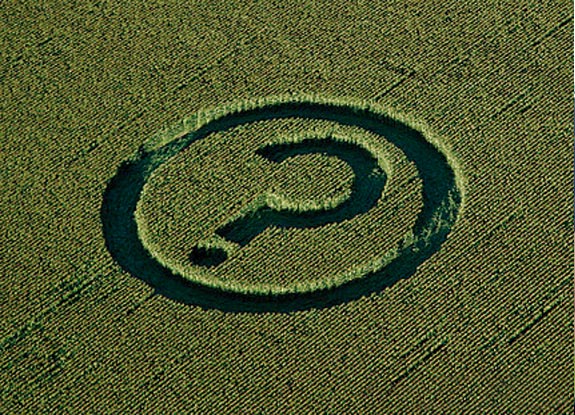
column 369, row 182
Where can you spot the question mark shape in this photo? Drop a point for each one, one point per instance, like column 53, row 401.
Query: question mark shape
column 367, row 188
column 441, row 175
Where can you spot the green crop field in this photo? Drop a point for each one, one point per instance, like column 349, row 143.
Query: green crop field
column 286, row 207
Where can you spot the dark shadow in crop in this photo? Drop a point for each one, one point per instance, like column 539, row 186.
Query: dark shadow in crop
column 367, row 187
column 208, row 257
column 441, row 203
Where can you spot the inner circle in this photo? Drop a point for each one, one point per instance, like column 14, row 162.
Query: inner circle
column 187, row 208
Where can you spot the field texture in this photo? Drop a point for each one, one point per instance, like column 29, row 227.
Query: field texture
column 286, row 207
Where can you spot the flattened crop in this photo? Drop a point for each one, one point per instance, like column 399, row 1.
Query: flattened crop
column 202, row 280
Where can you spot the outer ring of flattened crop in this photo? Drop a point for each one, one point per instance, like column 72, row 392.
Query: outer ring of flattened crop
column 443, row 196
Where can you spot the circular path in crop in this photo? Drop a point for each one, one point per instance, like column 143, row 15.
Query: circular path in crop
column 436, row 168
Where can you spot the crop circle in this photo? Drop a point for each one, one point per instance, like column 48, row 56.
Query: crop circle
column 128, row 243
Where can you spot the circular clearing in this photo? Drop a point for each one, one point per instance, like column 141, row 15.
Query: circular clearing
column 442, row 197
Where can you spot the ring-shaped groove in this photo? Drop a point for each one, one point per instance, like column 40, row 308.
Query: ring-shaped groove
column 443, row 198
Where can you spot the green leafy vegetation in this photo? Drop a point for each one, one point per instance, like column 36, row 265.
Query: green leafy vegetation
column 282, row 207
